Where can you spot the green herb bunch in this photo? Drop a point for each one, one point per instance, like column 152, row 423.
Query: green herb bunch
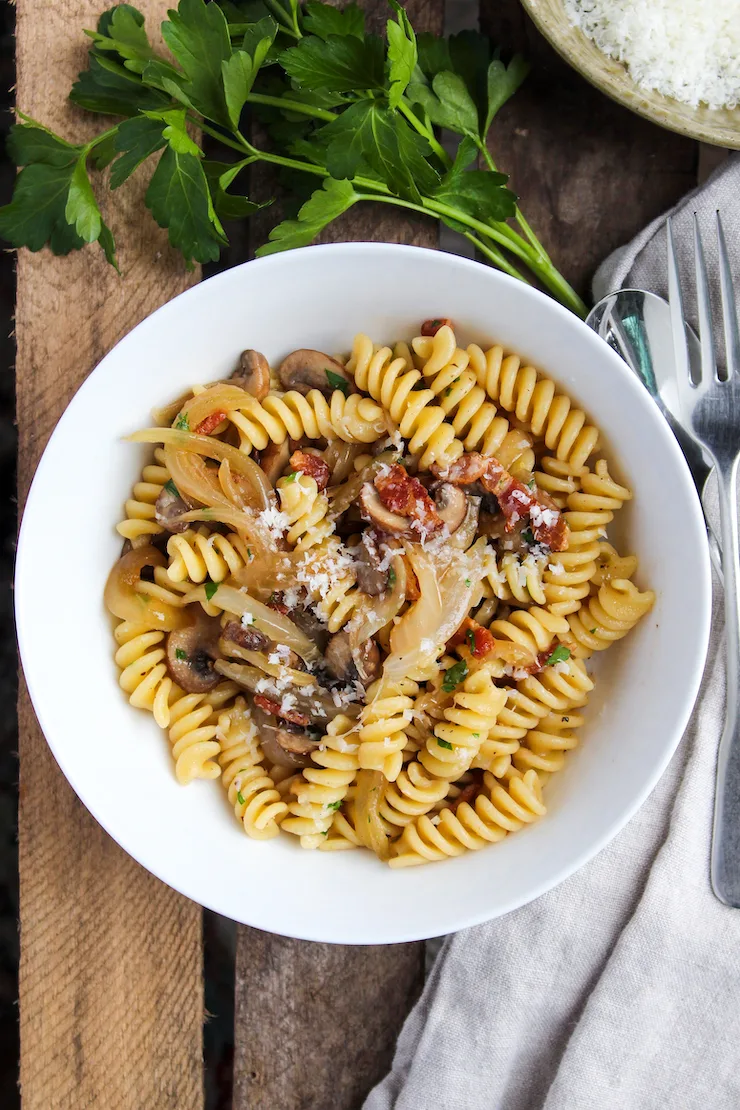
column 355, row 116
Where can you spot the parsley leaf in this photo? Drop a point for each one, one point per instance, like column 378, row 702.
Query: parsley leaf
column 135, row 140
column 528, row 536
column 179, row 199
column 447, row 103
column 171, row 487
column 559, row 655
column 240, row 798
column 343, row 63
column 336, row 381
column 320, row 209
column 334, row 805
column 501, row 84
column 290, row 477
column 182, row 423
column 180, row 654
column 402, row 54
column 391, row 578
column 239, row 72
column 476, row 736
column 444, row 744
column 198, row 36
column 454, row 676
column 479, row 193
column 210, row 589
column 324, row 20
column 470, row 637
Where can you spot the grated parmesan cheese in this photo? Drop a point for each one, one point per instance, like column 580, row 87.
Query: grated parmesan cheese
column 276, row 522
column 686, row 49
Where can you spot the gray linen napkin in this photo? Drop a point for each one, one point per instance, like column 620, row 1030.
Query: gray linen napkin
column 619, row 990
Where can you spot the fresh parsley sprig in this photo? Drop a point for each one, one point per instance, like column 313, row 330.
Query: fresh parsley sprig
column 358, row 113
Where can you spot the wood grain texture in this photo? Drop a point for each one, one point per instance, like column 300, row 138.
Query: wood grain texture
column 590, row 173
column 111, row 997
column 317, row 1023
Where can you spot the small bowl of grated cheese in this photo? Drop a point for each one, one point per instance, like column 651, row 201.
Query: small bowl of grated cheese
column 676, row 62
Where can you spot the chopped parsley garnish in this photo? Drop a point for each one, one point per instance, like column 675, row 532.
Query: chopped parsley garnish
column 448, row 391
column 435, row 323
column 566, row 719
column 454, row 676
column 528, row 536
column 171, row 488
column 470, row 637
column 559, row 655
column 182, row 423
column 180, row 654
column 336, row 381
column 240, row 798
column 531, row 484
column 334, row 805
column 391, row 578
column 210, row 589
column 592, row 631
column 444, row 744
column 476, row 736
column 292, row 476
column 250, row 556
column 468, row 583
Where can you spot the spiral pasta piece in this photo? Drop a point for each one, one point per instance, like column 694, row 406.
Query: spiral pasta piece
column 280, row 416
column 198, row 554
column 140, row 522
column 306, row 510
column 320, row 790
column 456, row 740
column 251, row 791
column 414, row 792
column 144, row 677
column 544, row 748
column 193, row 730
column 497, row 810
column 512, row 578
column 331, row 582
column 390, row 382
column 558, row 479
column 342, row 834
column 607, row 617
column 383, row 724
column 613, row 565
column 534, row 629
column 474, row 418
column 535, row 404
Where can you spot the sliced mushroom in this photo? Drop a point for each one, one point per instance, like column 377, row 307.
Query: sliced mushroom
column 451, row 504
column 249, row 638
column 286, row 744
column 169, row 505
column 348, row 668
column 311, row 625
column 190, row 655
column 253, row 374
column 373, row 509
column 370, row 578
column 304, row 370
column 274, row 459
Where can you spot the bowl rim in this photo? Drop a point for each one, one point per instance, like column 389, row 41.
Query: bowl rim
column 34, row 677
column 558, row 31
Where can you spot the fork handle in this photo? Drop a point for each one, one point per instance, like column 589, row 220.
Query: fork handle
column 725, row 869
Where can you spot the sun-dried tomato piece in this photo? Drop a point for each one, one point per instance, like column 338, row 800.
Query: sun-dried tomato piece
column 275, row 601
column 464, row 471
column 406, row 496
column 468, row 794
column 210, row 423
column 273, row 708
column 431, row 327
column 475, row 637
column 312, row 466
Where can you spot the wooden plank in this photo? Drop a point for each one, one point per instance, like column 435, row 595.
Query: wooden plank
column 111, row 997
column 316, row 1024
column 590, row 173
column 301, row 1007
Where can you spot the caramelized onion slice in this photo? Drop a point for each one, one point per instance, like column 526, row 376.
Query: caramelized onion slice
column 279, row 628
column 126, row 598
column 369, row 788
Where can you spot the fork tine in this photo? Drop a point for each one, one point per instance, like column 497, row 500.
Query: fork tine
column 729, row 307
column 675, row 300
column 704, row 305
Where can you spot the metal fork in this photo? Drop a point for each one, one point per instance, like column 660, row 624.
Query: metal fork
column 711, row 408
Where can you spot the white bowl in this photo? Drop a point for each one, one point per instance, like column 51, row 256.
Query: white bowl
column 116, row 758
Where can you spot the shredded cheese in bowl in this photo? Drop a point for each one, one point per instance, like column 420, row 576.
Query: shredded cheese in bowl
column 685, row 49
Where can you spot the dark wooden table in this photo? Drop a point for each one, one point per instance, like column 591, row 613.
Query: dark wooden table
column 111, row 981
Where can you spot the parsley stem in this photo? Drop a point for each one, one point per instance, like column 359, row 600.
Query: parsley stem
column 287, row 22
column 288, row 105
column 495, row 255
column 424, row 130
column 201, row 124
